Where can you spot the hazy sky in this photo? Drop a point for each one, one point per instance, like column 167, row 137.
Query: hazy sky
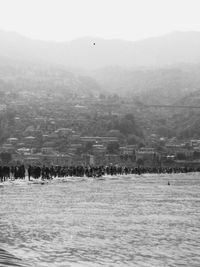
column 62, row 20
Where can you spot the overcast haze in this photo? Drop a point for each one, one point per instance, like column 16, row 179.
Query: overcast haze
column 63, row 20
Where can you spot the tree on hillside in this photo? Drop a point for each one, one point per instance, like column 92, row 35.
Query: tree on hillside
column 113, row 147
column 127, row 126
column 10, row 116
column 5, row 157
column 88, row 147
column 133, row 139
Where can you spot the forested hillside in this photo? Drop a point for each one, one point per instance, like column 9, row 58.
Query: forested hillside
column 24, row 75
column 153, row 86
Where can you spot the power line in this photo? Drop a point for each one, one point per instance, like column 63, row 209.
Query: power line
column 172, row 106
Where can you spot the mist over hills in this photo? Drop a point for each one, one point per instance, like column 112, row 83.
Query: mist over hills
column 18, row 75
column 173, row 48
column 153, row 85
column 160, row 70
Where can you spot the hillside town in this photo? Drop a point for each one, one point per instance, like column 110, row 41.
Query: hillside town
column 46, row 128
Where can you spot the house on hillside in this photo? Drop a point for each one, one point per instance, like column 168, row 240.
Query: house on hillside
column 147, row 156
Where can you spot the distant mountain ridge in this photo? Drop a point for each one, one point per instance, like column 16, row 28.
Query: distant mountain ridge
column 18, row 76
column 153, row 86
column 169, row 49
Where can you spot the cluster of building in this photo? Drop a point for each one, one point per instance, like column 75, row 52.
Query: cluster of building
column 76, row 149
column 35, row 148
column 52, row 129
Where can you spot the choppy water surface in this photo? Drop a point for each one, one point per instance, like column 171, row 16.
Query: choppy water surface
column 119, row 221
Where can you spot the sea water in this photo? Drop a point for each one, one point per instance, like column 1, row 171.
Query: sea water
column 117, row 221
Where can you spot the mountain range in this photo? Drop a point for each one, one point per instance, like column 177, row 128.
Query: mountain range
column 92, row 53
column 158, row 70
